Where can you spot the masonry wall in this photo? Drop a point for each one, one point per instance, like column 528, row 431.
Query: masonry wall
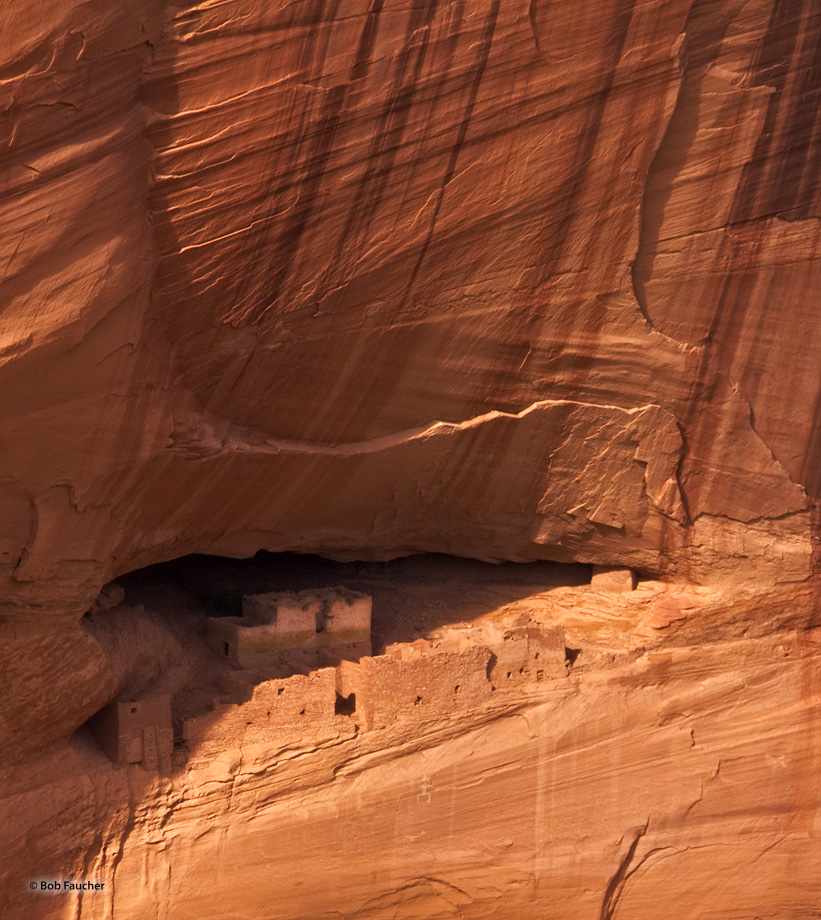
column 429, row 687
column 526, row 655
column 138, row 731
column 280, row 711
column 311, row 629
column 411, row 682
column 613, row 578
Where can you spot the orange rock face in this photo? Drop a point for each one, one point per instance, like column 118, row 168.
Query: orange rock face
column 508, row 280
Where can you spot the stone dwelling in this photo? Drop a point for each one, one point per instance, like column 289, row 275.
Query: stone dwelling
column 300, row 631
column 424, row 686
column 525, row 654
column 137, row 731
column 414, row 682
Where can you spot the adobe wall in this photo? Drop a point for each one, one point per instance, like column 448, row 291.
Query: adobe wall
column 525, row 655
column 137, row 731
column 411, row 682
column 315, row 629
column 613, row 578
column 258, row 648
column 279, row 711
column 428, row 687
column 337, row 615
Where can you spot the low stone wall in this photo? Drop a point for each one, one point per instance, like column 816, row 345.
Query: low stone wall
column 279, row 711
column 429, row 687
column 311, row 628
column 414, row 682
column 613, row 578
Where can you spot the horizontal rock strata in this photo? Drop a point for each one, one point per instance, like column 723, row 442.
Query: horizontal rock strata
column 521, row 280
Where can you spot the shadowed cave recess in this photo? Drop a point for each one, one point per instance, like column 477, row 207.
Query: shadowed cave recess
column 155, row 626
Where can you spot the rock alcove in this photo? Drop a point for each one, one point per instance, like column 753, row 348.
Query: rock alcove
column 153, row 623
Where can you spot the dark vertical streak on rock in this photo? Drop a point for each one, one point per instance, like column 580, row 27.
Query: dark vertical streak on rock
column 528, row 319
column 531, row 15
column 811, row 466
column 556, row 243
column 367, row 41
column 482, row 56
column 392, row 123
column 704, row 32
column 317, row 24
column 395, row 115
column 332, row 112
column 782, row 177
column 290, row 239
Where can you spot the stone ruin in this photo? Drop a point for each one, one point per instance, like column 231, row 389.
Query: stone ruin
column 136, row 731
column 301, row 631
column 285, row 710
column 336, row 686
column 417, row 682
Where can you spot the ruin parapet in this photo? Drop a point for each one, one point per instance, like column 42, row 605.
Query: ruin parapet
column 423, row 688
column 423, row 681
column 283, row 711
column 524, row 655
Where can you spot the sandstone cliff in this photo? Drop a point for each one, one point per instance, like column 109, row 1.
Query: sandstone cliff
column 508, row 280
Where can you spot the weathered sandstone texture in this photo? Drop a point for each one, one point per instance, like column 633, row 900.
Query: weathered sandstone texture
column 508, row 279
column 675, row 761
column 369, row 277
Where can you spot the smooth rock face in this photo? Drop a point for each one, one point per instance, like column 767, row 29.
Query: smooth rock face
column 509, row 279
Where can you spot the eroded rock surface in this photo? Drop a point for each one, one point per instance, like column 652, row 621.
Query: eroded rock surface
column 296, row 275
column 512, row 280
column 669, row 752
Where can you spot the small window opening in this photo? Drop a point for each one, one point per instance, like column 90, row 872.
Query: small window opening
column 225, row 649
column 133, row 708
column 345, row 705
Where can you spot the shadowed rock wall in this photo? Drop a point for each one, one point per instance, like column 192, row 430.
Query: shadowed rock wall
column 368, row 278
